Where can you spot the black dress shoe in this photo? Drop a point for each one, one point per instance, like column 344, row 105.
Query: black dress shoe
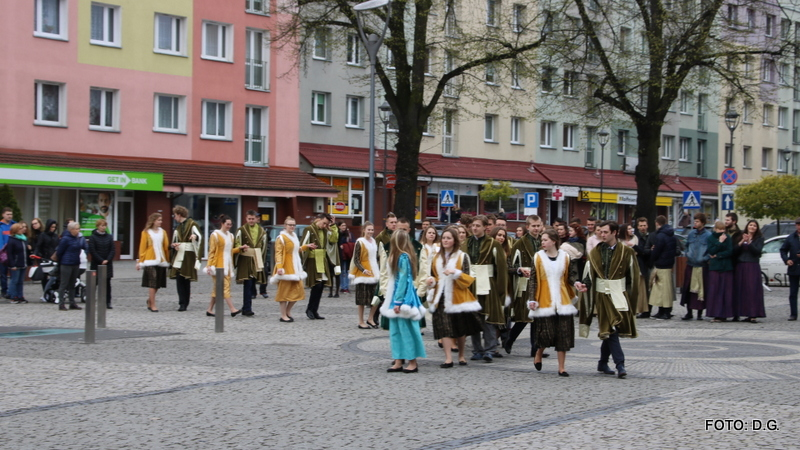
column 182, row 308
column 318, row 317
column 507, row 347
column 446, row 365
column 643, row 315
column 792, row 318
column 247, row 313
column 414, row 370
column 563, row 374
column 364, row 328
column 109, row 306
column 538, row 366
column 210, row 314
column 392, row 369
column 74, row 306
column 310, row 315
column 688, row 316
column 287, row 321
column 462, row 363
column 336, row 295
column 621, row 372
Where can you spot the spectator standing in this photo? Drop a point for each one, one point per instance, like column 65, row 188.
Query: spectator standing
column 68, row 255
column 102, row 250
column 5, row 231
column 749, row 292
column 720, row 277
column 662, row 290
column 643, row 249
column 790, row 254
column 346, row 247
column 17, row 251
column 695, row 279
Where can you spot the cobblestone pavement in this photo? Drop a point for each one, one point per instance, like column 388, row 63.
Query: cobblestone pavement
column 323, row 384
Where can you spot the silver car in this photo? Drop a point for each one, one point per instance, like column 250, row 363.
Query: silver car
column 773, row 269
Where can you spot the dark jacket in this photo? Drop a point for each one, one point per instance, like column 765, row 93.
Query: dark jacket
column 643, row 249
column 47, row 242
column 790, row 250
column 664, row 248
column 69, row 249
column 749, row 252
column 722, row 253
column 101, row 247
column 17, row 251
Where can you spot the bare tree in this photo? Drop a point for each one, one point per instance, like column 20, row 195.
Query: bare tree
column 461, row 35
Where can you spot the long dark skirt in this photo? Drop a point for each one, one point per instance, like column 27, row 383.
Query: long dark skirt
column 719, row 294
column 364, row 294
column 749, row 290
column 154, row 277
column 555, row 331
column 689, row 299
column 454, row 325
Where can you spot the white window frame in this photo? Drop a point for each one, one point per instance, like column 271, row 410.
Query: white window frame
column 251, row 139
column 112, row 33
column 448, row 132
column 105, row 109
column 178, row 108
column 177, row 35
column 62, row 104
column 766, row 113
column 686, row 102
column 548, row 79
column 546, row 134
column 516, row 130
column 625, row 44
column 783, row 117
column 569, row 136
column 251, row 64
column 570, row 83
column 492, row 13
column 751, row 19
column 354, row 106
column 515, row 76
column 427, row 131
column 769, row 25
column 685, row 145
column 518, row 19
column 490, row 74
column 746, row 155
column 727, row 158
column 224, row 41
column 354, row 56
column 39, row 29
column 251, row 7
column 322, row 44
column 226, row 123
column 490, row 128
column 668, row 147
column 622, row 142
column 767, row 66
column 326, row 107
column 766, row 155
column 747, row 112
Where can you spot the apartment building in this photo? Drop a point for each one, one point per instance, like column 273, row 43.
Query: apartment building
column 124, row 108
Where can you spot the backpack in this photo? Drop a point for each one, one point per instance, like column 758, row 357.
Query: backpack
column 4, row 255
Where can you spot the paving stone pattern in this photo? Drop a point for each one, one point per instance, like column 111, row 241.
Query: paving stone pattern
column 323, row 384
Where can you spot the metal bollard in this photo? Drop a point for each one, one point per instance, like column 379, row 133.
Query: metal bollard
column 219, row 309
column 88, row 328
column 102, row 295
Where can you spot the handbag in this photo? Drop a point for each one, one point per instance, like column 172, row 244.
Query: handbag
column 35, row 273
column 347, row 250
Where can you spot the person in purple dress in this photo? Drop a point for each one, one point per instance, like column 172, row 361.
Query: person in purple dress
column 749, row 290
column 719, row 291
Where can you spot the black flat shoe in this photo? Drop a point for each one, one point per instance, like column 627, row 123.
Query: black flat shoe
column 210, row 314
column 364, row 328
column 310, row 315
column 372, row 325
column 563, row 374
column 181, row 309
column 286, row 321
column 414, row 370
column 234, row 314
column 446, row 365
column 318, row 317
column 462, row 363
column 393, row 369
column 440, row 345
column 538, row 366
column 153, row 310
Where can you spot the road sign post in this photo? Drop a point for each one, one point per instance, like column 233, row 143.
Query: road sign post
column 691, row 200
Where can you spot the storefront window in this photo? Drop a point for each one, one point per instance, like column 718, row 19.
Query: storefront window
column 432, row 205
column 350, row 199
column 468, row 204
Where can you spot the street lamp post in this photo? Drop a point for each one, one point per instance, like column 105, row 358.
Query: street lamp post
column 385, row 113
column 787, row 156
column 372, row 43
column 602, row 136
column 731, row 121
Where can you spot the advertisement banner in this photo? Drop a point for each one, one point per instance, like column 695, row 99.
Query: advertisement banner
column 93, row 206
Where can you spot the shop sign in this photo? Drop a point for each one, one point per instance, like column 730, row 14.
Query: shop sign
column 80, row 178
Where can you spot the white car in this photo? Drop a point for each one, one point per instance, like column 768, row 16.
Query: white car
column 773, row 269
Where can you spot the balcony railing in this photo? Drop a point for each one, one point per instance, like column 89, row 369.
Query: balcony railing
column 255, row 74
column 254, row 146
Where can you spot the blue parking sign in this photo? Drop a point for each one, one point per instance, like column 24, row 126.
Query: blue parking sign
column 531, row 199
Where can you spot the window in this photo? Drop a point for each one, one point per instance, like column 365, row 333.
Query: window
column 747, row 112
column 518, row 21
column 786, row 28
column 796, row 126
column 644, row 49
column 450, row 22
column 170, row 113
column 321, row 44
column 353, row 49
column 492, row 12
column 392, row 126
column 592, row 55
column 216, row 120
column 451, row 88
column 105, row 25
column 767, row 115
column 448, row 132
column 516, row 130
column 255, row 137
column 426, row 129
column 256, row 69
column 769, row 26
column 489, row 124
column 491, row 74
column 589, row 158
column 257, row 6
column 796, row 84
column 50, row 19
column 546, row 134
column 217, row 42
column 751, row 19
column 389, row 58
column 103, row 109
column 319, row 108
column 353, row 112
column 685, row 145
column 516, row 67
column 783, row 117
column 783, row 165
column 622, row 142
column 668, row 147
column 170, row 35
column 766, row 155
column 783, row 76
column 702, row 99
column 547, row 79
column 429, row 57
column 746, row 151
column 733, row 15
column 701, row 158
column 568, row 137
column 350, row 199
column 768, row 70
column 625, row 40
column 728, row 156
column 748, row 67
column 570, row 83
column 686, row 102
column 50, row 101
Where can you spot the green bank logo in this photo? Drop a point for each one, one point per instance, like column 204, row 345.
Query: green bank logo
column 80, row 178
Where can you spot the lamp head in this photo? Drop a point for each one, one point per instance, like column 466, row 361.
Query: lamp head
column 602, row 136
column 731, row 119
column 371, row 4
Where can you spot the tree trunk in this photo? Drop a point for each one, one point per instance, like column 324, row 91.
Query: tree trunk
column 406, row 169
column 648, row 174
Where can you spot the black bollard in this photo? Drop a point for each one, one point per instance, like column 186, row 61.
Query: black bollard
column 219, row 309
column 102, row 294
column 91, row 284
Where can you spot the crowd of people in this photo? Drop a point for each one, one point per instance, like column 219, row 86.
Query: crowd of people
column 475, row 278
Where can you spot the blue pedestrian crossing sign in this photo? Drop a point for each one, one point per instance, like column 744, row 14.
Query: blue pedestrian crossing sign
column 531, row 199
column 447, row 198
column 691, row 200
column 727, row 202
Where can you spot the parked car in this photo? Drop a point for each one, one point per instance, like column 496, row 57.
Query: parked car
column 771, row 230
column 773, row 269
